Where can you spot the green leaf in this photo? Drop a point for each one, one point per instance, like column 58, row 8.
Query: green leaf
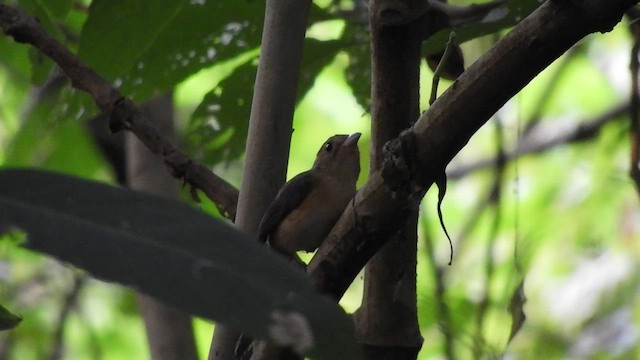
column 171, row 251
column 14, row 58
column 219, row 125
column 117, row 32
column 150, row 46
column 201, row 35
column 502, row 17
column 146, row 56
column 45, row 141
column 8, row 320
column 358, row 72
column 51, row 14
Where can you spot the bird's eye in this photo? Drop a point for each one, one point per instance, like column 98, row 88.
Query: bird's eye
column 328, row 147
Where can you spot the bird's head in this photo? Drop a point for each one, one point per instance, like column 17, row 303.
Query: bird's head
column 339, row 156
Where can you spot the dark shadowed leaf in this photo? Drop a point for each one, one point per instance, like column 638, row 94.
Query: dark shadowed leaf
column 153, row 45
column 118, row 32
column 502, row 17
column 171, row 251
column 147, row 47
column 7, row 319
column 358, row 72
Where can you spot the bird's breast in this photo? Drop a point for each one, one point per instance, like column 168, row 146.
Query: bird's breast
column 307, row 225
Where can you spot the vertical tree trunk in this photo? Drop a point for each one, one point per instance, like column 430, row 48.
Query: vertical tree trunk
column 387, row 322
column 169, row 331
column 270, row 126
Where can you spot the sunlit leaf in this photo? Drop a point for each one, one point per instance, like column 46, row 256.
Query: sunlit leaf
column 46, row 141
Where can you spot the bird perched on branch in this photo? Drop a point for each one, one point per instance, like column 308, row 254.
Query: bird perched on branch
column 307, row 207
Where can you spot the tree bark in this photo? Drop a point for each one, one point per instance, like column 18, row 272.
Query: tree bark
column 169, row 331
column 270, row 127
column 387, row 321
column 420, row 155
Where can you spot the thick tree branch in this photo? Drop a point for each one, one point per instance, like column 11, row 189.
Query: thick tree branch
column 124, row 114
column 418, row 155
column 269, row 137
column 387, row 320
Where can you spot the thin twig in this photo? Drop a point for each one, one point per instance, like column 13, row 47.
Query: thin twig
column 534, row 144
column 495, row 197
column 68, row 305
column 550, row 88
column 443, row 61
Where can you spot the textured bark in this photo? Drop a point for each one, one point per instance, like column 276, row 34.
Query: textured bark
column 270, row 126
column 387, row 321
column 420, row 155
column 169, row 331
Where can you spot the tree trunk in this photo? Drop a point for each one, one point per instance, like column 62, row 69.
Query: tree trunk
column 270, row 127
column 387, row 321
column 169, row 331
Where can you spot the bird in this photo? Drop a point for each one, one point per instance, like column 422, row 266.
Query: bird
column 307, row 207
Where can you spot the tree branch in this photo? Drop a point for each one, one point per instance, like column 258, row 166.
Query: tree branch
column 124, row 114
column 546, row 138
column 70, row 301
column 422, row 152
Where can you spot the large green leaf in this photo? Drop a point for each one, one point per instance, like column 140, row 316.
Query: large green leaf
column 147, row 47
column 118, row 32
column 152, row 45
column 358, row 72
column 219, row 125
column 171, row 251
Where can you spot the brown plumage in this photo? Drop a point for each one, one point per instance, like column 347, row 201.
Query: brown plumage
column 307, row 207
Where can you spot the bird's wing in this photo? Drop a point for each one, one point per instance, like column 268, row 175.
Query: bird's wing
column 289, row 197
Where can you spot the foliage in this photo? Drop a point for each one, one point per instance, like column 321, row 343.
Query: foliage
column 123, row 236
column 7, row 319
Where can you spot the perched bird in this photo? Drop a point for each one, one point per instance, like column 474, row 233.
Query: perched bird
column 307, row 207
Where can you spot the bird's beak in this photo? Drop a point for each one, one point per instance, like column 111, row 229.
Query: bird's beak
column 352, row 140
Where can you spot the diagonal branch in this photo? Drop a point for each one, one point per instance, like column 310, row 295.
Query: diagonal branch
column 422, row 152
column 124, row 114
